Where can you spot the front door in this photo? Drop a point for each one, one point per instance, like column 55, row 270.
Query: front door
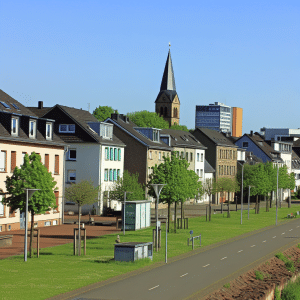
column 22, row 220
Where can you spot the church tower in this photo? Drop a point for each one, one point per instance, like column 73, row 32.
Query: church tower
column 167, row 102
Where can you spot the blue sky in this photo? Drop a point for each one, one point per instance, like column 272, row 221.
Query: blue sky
column 242, row 53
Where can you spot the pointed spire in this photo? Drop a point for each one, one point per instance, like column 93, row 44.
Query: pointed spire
column 168, row 80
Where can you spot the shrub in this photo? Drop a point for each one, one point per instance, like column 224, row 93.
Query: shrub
column 259, row 275
column 290, row 266
column 277, row 294
column 227, row 285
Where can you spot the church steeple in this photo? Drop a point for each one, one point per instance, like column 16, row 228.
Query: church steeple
column 168, row 79
column 167, row 102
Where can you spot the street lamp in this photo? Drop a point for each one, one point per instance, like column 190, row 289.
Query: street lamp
column 250, row 186
column 29, row 193
column 277, row 196
column 242, row 191
column 157, row 189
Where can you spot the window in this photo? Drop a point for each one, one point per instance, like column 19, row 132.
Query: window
column 198, row 172
column 47, row 223
column 72, row 154
column 119, row 154
column 32, row 129
column 118, row 173
column 198, row 157
column 115, row 175
column 191, row 156
column 1, row 207
column 56, row 194
column 159, row 156
column 106, row 153
column 15, row 106
column 201, row 173
column 105, row 174
column 110, row 175
column 245, row 144
column 202, row 157
column 155, row 135
column 54, row 222
column 5, row 105
column 66, row 128
column 48, row 131
column 150, row 154
column 115, row 154
column 23, row 155
column 14, row 126
column 47, row 162
column 111, row 153
column 182, row 154
column 56, row 164
column 13, row 161
column 71, row 175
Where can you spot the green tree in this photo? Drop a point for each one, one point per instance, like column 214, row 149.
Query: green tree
column 32, row 175
column 180, row 182
column 209, row 188
column 272, row 184
column 103, row 112
column 179, row 127
column 127, row 183
column 148, row 119
column 292, row 185
column 82, row 193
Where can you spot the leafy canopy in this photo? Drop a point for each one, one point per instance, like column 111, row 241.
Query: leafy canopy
column 127, row 183
column 179, row 127
column 34, row 175
column 103, row 112
column 148, row 119
column 82, row 193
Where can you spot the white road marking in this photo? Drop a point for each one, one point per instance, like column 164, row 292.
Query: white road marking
column 283, row 233
column 184, row 274
column 224, row 258
column 274, row 237
column 240, row 251
column 290, row 229
column 154, row 287
column 264, row 241
column 252, row 246
column 206, row 266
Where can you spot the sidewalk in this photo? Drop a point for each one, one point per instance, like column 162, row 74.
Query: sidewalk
column 57, row 235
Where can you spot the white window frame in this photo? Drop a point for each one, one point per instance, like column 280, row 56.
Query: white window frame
column 198, row 157
column 69, row 157
column 71, row 172
column 49, row 131
column 202, row 157
column 68, row 128
column 2, row 207
column 34, row 129
column 3, row 155
column 13, row 118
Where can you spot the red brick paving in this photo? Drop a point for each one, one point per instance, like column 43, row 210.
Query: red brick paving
column 57, row 235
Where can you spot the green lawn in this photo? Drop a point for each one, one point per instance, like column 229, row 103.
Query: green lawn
column 58, row 271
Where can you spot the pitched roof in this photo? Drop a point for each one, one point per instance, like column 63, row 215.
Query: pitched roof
column 208, row 168
column 295, row 160
column 252, row 159
column 182, row 139
column 168, row 79
column 81, row 118
column 128, row 126
column 217, row 137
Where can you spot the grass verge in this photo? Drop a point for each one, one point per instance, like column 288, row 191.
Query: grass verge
column 57, row 271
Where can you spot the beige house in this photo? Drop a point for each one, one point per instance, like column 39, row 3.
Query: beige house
column 21, row 131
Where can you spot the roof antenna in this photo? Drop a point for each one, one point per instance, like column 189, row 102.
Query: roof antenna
column 89, row 107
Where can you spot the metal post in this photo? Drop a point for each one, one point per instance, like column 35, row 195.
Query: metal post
column 166, row 256
column 26, row 227
column 277, row 196
column 193, row 242
column 249, row 201
column 124, row 213
column 157, row 224
column 242, row 195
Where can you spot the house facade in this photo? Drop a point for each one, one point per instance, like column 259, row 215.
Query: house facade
column 94, row 153
column 21, row 132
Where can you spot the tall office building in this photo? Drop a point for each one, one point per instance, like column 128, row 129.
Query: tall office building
column 220, row 117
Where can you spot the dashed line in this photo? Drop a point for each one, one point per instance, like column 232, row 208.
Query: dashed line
column 184, row 274
column 274, row 237
column 264, row 241
column 206, row 266
column 224, row 258
column 283, row 233
column 240, row 251
column 154, row 287
column 290, row 229
column 252, row 246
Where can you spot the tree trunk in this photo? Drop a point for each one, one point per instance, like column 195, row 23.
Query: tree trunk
column 228, row 212
column 31, row 235
column 169, row 216
column 289, row 199
column 267, row 203
column 209, row 218
column 221, row 202
column 271, row 199
column 175, row 213
column 79, row 233
column 256, row 205
column 182, row 214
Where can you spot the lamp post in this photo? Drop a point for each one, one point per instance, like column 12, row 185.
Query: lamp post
column 157, row 189
column 277, row 196
column 242, row 191
column 29, row 193
column 124, row 211
column 250, row 186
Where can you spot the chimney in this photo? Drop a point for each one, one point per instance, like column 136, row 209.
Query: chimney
column 40, row 104
column 251, row 132
column 115, row 116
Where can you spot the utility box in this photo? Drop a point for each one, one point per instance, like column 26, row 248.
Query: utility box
column 137, row 214
column 133, row 251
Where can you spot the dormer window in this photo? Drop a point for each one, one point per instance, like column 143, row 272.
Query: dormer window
column 32, row 129
column 106, row 130
column 155, row 135
column 15, row 126
column 48, row 131
column 67, row 128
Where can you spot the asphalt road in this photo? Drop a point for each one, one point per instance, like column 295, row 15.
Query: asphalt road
column 182, row 278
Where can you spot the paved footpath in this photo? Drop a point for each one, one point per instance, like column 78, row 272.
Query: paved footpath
column 198, row 273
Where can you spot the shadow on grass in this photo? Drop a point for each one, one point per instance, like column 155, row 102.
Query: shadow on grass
column 104, row 261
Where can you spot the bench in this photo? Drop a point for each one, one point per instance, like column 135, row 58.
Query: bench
column 5, row 240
